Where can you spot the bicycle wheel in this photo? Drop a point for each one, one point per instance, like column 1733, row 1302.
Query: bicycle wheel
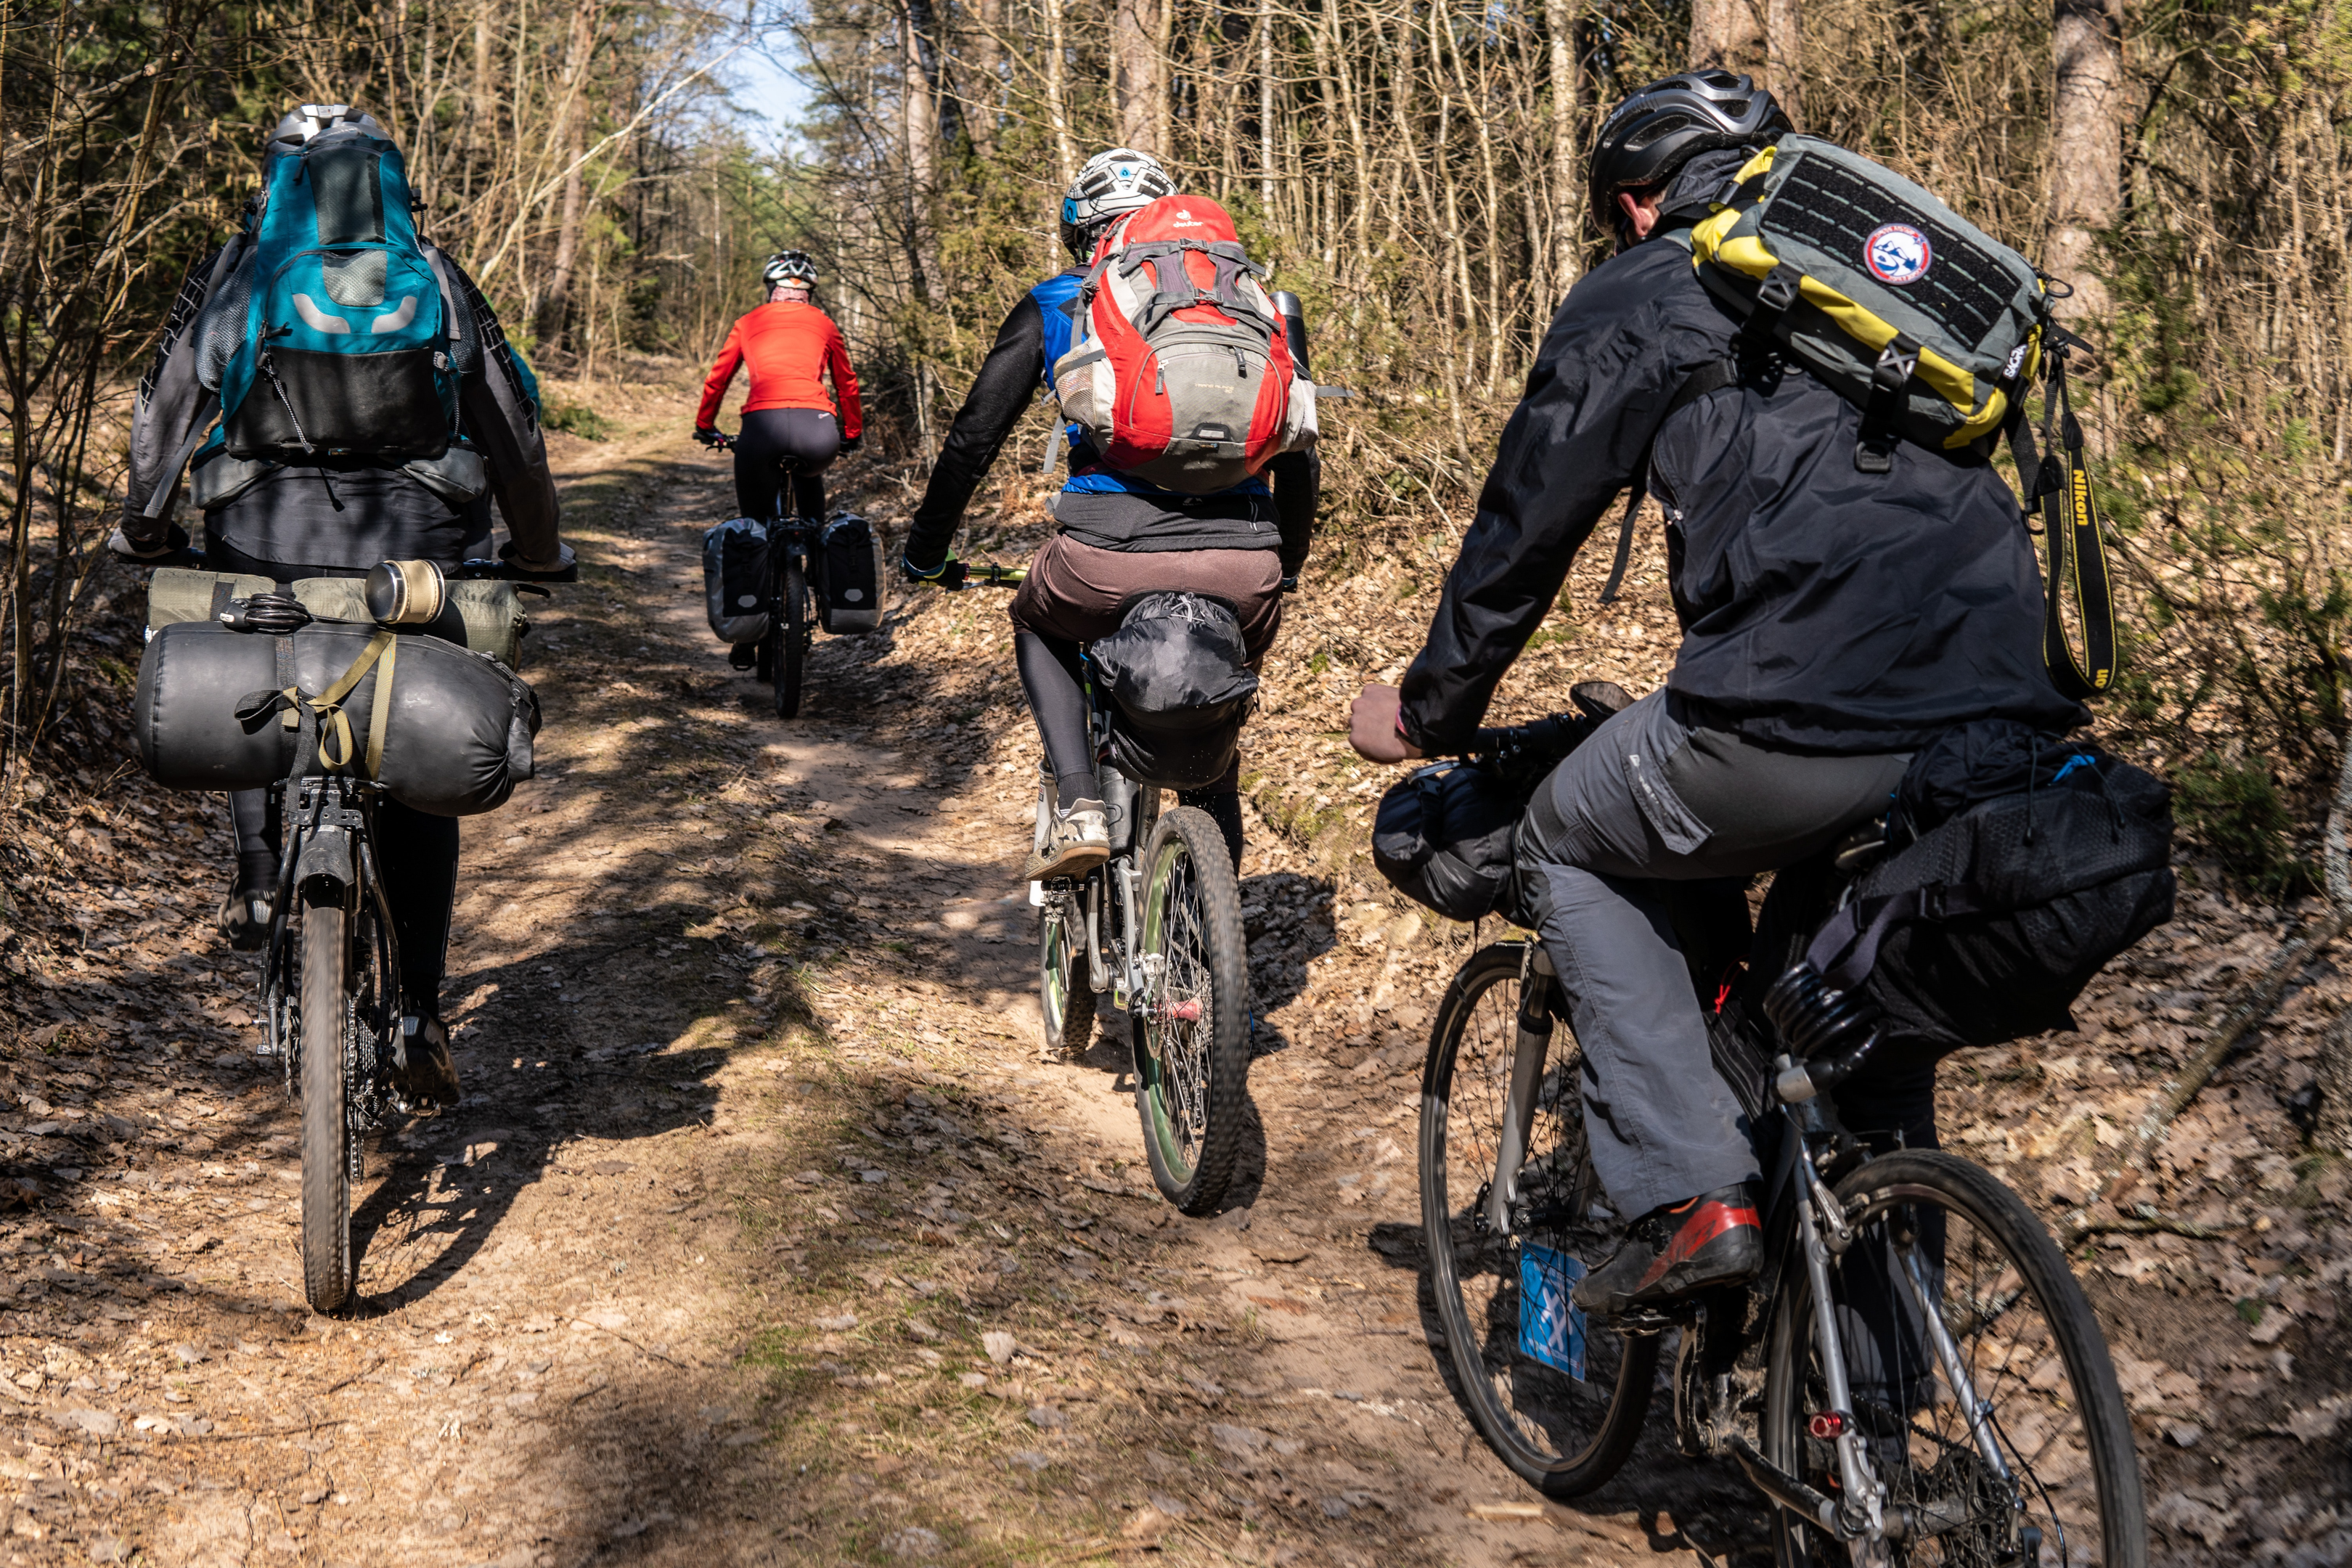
column 1195, row 1021
column 324, row 1026
column 1065, row 984
column 1564, row 1433
column 2051, row 1450
column 791, row 639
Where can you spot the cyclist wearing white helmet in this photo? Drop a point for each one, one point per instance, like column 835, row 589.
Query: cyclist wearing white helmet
column 789, row 345
column 1119, row 535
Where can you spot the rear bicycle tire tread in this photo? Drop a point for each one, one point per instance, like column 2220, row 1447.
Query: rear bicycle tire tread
column 1227, row 959
column 327, row 1267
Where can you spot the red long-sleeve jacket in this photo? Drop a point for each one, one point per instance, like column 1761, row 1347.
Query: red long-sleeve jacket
column 786, row 344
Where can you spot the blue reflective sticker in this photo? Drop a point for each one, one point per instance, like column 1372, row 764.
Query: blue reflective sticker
column 1551, row 1329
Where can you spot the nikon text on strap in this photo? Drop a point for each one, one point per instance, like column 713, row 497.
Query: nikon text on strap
column 2058, row 484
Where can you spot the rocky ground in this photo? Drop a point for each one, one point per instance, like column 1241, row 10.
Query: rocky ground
column 765, row 1235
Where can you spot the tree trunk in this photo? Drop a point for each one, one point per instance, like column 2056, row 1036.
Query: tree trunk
column 1567, row 165
column 983, row 85
column 1135, row 79
column 1057, row 110
column 918, row 116
column 1784, row 53
column 1728, row 35
column 2086, row 145
column 571, row 138
column 1266, row 108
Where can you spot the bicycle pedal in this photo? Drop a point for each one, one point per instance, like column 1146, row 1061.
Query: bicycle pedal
column 1638, row 1321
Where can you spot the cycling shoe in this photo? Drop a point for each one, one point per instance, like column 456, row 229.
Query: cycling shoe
column 1076, row 841
column 425, row 1072
column 245, row 915
column 1674, row 1250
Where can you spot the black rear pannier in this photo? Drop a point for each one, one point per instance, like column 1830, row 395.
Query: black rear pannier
column 735, row 581
column 1443, row 838
column 848, row 568
column 1990, row 923
column 1180, row 689
column 451, row 735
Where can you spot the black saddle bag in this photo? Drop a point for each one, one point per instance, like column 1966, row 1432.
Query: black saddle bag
column 2035, row 861
column 1179, row 686
column 445, row 731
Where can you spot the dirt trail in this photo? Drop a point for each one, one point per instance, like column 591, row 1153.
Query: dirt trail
column 764, row 1235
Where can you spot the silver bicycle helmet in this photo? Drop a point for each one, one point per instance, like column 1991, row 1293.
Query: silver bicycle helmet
column 311, row 119
column 789, row 266
column 1112, row 183
column 1667, row 124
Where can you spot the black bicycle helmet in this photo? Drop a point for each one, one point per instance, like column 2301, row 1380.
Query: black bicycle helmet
column 1665, row 124
column 789, row 266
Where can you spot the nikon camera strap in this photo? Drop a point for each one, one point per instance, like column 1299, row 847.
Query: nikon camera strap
column 2059, row 485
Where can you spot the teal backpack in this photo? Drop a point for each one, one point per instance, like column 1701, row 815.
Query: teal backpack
column 346, row 347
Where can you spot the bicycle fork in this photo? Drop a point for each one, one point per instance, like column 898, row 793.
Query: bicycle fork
column 1528, row 1052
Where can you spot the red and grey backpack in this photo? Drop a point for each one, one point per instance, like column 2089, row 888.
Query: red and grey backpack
column 1179, row 369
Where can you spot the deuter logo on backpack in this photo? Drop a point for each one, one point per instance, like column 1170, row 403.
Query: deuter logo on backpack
column 1180, row 374
column 346, row 348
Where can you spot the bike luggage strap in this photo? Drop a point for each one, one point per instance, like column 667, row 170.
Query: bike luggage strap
column 1845, row 949
column 329, row 728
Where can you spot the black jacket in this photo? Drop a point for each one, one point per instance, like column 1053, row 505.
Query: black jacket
column 1823, row 609
column 1008, row 380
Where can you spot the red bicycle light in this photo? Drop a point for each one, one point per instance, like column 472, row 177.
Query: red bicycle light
column 1827, row 1425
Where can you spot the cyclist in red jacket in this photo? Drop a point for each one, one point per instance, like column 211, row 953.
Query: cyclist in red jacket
column 788, row 342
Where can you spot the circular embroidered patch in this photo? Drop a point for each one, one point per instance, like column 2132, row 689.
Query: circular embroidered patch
column 1897, row 253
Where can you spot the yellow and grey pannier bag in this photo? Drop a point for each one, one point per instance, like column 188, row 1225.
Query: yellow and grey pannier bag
column 1929, row 325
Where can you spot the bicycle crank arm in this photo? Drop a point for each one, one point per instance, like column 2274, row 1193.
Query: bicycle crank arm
column 1785, row 1488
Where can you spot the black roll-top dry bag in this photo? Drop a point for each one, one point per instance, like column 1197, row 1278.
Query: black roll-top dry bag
column 1180, row 687
column 1442, row 837
column 445, row 731
column 848, row 568
column 1988, row 926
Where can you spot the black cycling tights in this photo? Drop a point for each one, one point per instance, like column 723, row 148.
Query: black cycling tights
column 1049, row 674
column 772, row 436
column 417, row 858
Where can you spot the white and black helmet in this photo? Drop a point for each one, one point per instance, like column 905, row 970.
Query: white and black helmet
column 789, row 266
column 1112, row 183
column 309, row 119
column 1666, row 124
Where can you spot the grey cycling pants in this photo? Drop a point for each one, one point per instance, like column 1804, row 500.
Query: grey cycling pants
column 1649, row 798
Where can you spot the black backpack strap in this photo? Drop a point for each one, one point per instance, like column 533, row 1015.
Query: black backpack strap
column 1706, row 378
column 1882, row 416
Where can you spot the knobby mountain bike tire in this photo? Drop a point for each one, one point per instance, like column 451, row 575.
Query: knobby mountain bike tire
column 1192, row 1074
column 2028, row 1343
column 1563, row 1434
column 1065, row 976
column 793, row 645
column 324, row 1026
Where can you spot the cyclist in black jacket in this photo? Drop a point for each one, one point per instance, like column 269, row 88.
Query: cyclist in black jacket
column 1832, row 622
column 337, row 517
column 1118, row 535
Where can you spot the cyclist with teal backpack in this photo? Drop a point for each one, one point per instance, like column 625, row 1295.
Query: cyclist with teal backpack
column 336, row 393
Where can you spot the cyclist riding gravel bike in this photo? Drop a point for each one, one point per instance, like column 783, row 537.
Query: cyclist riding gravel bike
column 1118, row 535
column 1832, row 622
column 337, row 517
column 789, row 346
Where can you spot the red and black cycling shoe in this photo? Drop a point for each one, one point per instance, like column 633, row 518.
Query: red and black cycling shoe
column 1676, row 1250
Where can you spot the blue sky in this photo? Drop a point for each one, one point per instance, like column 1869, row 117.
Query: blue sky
column 767, row 89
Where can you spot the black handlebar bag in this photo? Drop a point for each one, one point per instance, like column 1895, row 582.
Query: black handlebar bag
column 1180, row 689
column 1442, row 837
